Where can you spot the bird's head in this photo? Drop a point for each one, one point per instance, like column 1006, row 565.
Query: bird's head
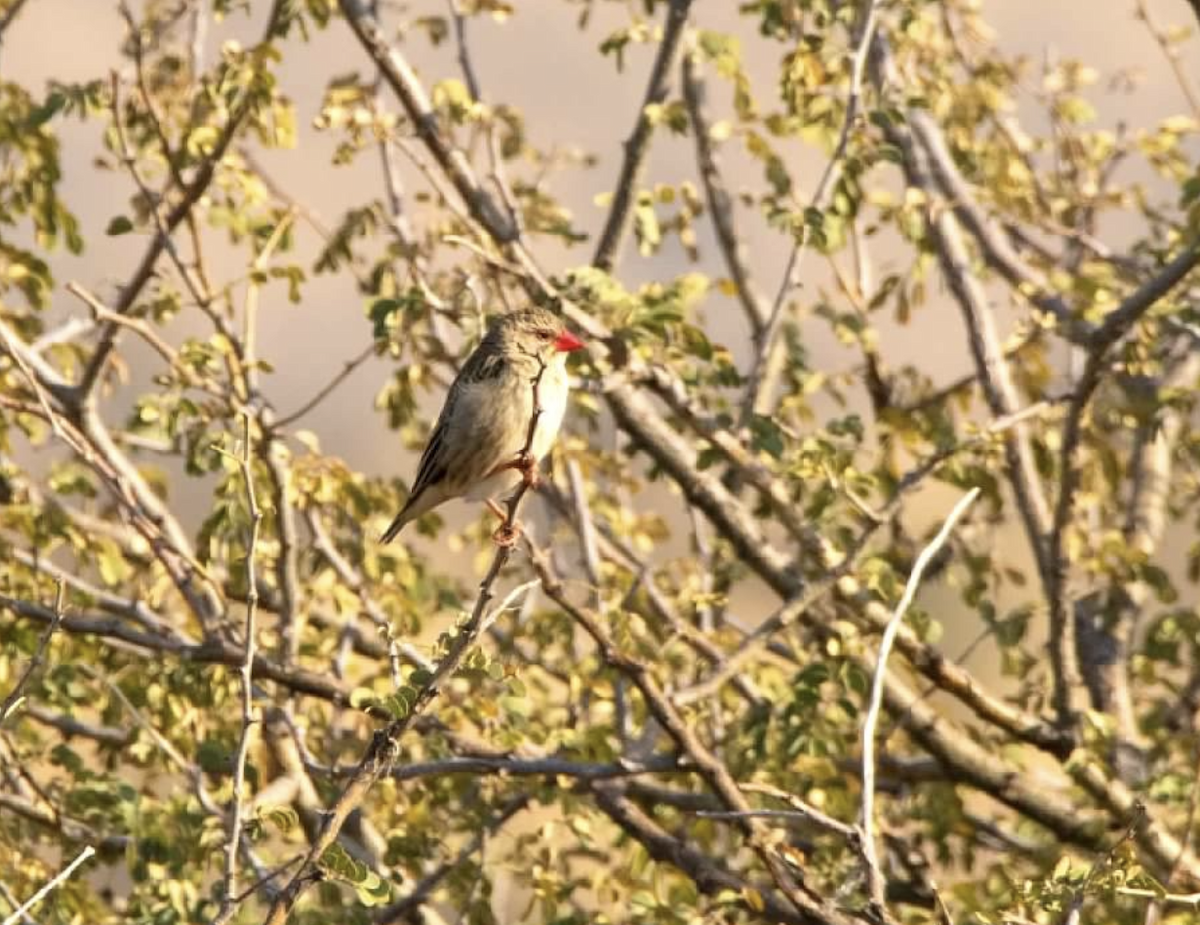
column 535, row 332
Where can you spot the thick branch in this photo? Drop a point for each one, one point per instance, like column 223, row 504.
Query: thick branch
column 403, row 81
column 215, row 651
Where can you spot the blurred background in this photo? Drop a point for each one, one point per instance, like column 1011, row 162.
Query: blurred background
column 539, row 60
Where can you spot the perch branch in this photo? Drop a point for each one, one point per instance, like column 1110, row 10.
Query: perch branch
column 385, row 744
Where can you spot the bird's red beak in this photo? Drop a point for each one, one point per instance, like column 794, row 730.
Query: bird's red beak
column 567, row 342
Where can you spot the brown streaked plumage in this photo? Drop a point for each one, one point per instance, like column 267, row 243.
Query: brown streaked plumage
column 484, row 424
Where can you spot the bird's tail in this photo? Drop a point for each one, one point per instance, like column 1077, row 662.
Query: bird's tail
column 395, row 526
column 422, row 500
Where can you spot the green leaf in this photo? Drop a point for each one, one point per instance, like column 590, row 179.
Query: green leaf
column 766, row 436
column 48, row 110
column 118, row 226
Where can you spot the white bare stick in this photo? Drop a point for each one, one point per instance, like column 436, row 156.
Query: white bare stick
column 246, row 678
column 49, row 887
column 509, row 602
column 875, row 878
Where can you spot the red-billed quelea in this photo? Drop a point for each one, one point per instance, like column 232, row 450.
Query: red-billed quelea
column 477, row 447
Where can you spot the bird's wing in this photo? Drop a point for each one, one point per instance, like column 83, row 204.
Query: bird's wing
column 481, row 365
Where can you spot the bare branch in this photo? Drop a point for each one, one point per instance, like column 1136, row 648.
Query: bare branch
column 811, row 813
column 637, row 146
column 214, row 651
column 71, row 726
column 50, row 887
column 510, row 766
column 400, row 77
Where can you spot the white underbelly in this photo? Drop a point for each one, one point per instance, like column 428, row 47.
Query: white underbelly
column 553, row 398
column 554, row 406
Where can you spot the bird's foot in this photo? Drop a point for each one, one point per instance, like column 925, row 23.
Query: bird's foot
column 507, row 535
column 527, row 466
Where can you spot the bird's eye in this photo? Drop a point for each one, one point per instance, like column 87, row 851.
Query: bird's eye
column 543, row 334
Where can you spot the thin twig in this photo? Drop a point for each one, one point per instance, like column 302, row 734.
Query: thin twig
column 10, row 347
column 46, row 890
column 875, row 878
column 803, row 810
column 15, row 697
column 758, row 382
column 1170, row 899
column 796, row 815
column 1171, row 53
column 720, row 204
column 15, row 903
column 840, row 571
column 246, row 678
column 326, row 390
column 266, row 878
column 1115, row 326
column 708, row 765
column 354, row 580
column 405, row 909
column 191, row 195
column 1075, row 908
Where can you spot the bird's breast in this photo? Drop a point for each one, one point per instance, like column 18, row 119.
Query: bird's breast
column 552, row 396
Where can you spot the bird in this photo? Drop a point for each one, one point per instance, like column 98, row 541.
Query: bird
column 477, row 448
